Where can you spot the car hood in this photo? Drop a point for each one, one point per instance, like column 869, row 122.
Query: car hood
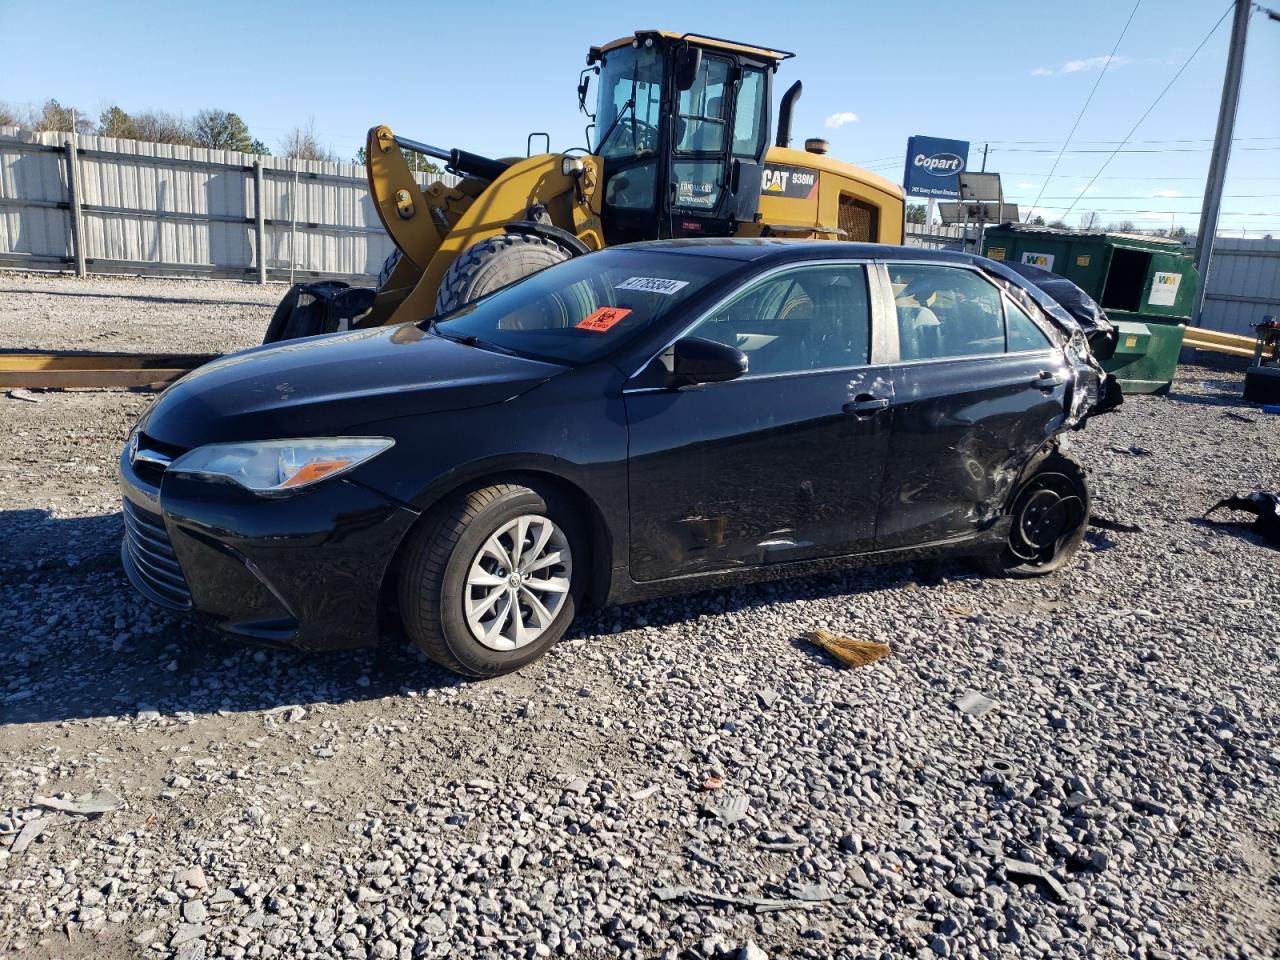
column 325, row 385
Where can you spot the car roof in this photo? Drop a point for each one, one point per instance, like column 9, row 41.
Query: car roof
column 768, row 250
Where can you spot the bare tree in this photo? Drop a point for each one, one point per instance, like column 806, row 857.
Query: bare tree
column 416, row 161
column 302, row 144
column 51, row 115
column 220, row 130
column 1090, row 220
column 160, row 127
column 8, row 115
column 1122, row 226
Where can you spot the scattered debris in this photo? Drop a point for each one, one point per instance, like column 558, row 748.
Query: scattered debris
column 767, row 697
column 646, row 793
column 997, row 768
column 86, row 805
column 1106, row 523
column 1264, row 506
column 22, row 393
column 292, row 712
column 712, row 783
column 1019, row 871
column 1232, row 415
column 811, row 892
column 1132, row 451
column 754, row 904
column 728, row 810
column 782, row 842
column 975, row 704
column 695, row 850
column 30, row 830
column 850, row 652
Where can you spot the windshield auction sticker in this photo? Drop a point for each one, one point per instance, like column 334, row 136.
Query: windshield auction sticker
column 602, row 319
column 652, row 285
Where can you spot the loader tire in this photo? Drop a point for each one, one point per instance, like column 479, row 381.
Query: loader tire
column 493, row 264
column 388, row 267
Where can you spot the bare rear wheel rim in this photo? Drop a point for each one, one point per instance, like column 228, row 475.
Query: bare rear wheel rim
column 517, row 583
column 1048, row 513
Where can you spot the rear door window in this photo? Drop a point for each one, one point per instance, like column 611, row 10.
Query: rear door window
column 808, row 318
column 945, row 312
column 1021, row 331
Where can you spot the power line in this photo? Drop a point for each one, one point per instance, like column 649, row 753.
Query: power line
column 1088, row 100
column 1169, row 140
column 1195, row 199
column 1160, row 96
column 1165, row 213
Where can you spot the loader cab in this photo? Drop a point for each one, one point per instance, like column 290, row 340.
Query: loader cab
column 682, row 125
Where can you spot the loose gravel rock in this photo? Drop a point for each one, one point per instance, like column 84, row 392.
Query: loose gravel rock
column 1119, row 802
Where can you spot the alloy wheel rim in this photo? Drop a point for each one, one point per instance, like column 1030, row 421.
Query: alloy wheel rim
column 517, row 583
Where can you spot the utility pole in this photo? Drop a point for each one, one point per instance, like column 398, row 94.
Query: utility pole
column 1221, row 148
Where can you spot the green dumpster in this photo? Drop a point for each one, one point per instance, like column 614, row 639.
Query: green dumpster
column 1146, row 283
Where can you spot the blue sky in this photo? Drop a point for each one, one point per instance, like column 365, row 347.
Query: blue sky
column 1012, row 74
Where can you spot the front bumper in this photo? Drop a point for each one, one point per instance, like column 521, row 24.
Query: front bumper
column 302, row 571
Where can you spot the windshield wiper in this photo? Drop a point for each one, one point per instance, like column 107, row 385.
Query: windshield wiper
column 471, row 340
column 629, row 105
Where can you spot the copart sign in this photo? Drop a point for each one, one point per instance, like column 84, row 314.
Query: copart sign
column 934, row 166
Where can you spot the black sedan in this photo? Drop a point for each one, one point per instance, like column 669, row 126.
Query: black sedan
column 649, row 419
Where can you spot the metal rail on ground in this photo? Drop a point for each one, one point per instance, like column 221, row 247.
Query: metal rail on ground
column 84, row 368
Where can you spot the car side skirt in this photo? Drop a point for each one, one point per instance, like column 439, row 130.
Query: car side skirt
column 626, row 590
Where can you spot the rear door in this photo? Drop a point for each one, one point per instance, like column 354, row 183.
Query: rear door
column 781, row 464
column 978, row 388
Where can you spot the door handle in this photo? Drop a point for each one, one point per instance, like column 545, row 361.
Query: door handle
column 1049, row 379
column 865, row 404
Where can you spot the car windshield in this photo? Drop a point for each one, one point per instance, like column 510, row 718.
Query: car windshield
column 580, row 310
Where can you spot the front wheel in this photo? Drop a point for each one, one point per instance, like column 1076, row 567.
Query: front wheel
column 1050, row 514
column 492, row 579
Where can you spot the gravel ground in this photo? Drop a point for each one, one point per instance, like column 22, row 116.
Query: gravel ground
column 678, row 778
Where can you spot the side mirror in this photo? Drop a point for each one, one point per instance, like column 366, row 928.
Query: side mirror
column 584, row 87
column 695, row 360
column 688, row 62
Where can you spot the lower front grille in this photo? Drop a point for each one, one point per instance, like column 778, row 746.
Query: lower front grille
column 152, row 559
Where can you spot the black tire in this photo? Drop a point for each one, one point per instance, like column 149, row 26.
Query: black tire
column 493, row 264
column 440, row 552
column 388, row 267
column 1050, row 513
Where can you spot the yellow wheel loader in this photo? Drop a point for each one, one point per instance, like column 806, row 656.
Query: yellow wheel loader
column 680, row 146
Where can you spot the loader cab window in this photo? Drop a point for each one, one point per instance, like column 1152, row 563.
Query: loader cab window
column 701, row 130
column 629, row 125
column 748, row 118
column 629, row 111
column 703, row 110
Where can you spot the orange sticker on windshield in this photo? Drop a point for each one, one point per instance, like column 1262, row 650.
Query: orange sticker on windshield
column 603, row 319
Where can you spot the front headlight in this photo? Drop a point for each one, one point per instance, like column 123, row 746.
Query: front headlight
column 280, row 466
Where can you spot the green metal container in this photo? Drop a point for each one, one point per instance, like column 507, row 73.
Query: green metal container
column 1147, row 284
column 1145, row 355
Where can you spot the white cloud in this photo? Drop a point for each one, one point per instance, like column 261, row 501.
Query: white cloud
column 1167, row 193
column 838, row 120
column 1093, row 63
column 1025, row 185
column 1084, row 64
